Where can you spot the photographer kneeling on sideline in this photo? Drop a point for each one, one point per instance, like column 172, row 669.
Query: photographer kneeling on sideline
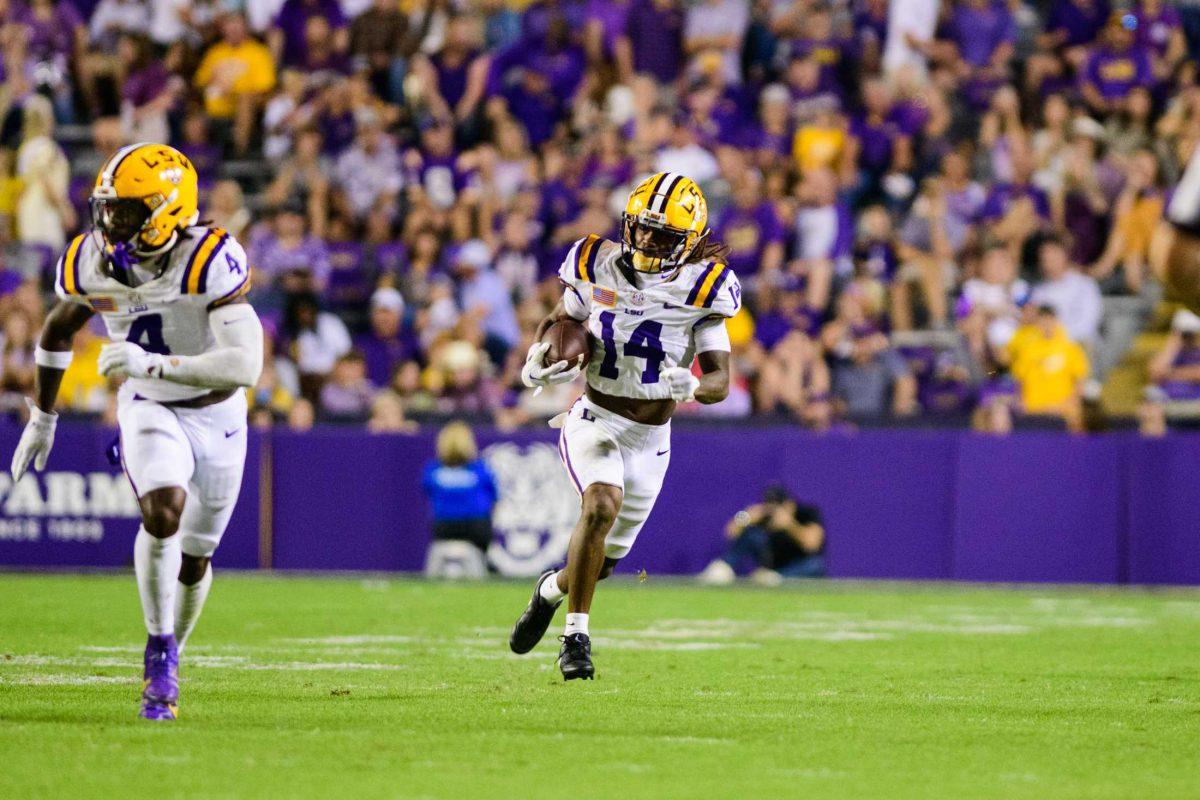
column 782, row 538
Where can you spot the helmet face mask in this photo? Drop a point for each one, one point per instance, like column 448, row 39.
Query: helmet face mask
column 120, row 220
column 658, row 242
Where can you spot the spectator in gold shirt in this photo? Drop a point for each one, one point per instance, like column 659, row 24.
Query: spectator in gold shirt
column 1049, row 368
column 234, row 74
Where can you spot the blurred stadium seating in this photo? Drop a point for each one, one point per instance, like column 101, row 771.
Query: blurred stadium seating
column 861, row 177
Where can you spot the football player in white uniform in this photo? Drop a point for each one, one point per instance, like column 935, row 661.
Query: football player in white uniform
column 652, row 303
column 172, row 297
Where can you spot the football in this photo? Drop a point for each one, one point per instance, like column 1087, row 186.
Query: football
column 568, row 341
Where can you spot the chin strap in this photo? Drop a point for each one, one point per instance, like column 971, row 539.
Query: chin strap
column 123, row 257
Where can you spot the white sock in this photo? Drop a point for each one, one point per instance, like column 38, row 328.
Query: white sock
column 189, row 600
column 549, row 590
column 576, row 623
column 156, row 562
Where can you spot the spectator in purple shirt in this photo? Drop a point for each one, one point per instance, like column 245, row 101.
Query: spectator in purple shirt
column 288, row 37
column 287, row 260
column 820, row 43
column 436, row 174
column 335, row 118
column 877, row 143
column 1004, row 197
column 454, row 78
column 321, row 60
column 1071, row 26
column 767, row 142
column 1075, row 23
column 347, row 394
column 606, row 23
column 751, row 230
column 1176, row 367
column 1115, row 66
column 197, row 145
column 983, row 32
column 52, row 32
column 539, row 80
column 870, row 30
column 1160, row 29
column 653, row 41
column 386, row 344
column 148, row 92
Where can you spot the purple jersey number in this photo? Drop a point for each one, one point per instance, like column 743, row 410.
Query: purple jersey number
column 645, row 342
column 149, row 327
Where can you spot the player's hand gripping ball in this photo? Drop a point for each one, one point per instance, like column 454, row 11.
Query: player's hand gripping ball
column 559, row 357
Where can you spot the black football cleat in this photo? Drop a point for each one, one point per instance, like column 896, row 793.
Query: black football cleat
column 575, row 657
column 533, row 622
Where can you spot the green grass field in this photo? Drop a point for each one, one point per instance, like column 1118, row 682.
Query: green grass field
column 371, row 688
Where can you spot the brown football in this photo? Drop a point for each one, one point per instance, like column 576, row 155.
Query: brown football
column 568, row 341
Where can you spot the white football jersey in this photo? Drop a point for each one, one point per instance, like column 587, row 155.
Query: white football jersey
column 638, row 331
column 168, row 315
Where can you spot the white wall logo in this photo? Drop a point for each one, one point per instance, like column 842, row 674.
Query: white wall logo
column 536, row 511
column 73, row 502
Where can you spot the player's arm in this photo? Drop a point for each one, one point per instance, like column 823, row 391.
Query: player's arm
column 711, row 342
column 235, row 362
column 751, row 515
column 714, row 376
column 53, row 356
column 557, row 315
column 808, row 534
column 575, row 305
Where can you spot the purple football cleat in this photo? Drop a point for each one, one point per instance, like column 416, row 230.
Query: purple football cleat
column 158, row 711
column 160, row 686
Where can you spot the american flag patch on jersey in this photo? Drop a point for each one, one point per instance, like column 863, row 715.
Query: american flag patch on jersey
column 605, row 297
column 103, row 304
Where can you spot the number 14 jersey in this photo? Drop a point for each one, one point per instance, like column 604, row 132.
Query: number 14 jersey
column 206, row 269
column 640, row 330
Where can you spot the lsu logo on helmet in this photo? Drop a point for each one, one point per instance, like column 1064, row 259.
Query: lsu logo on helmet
column 145, row 193
column 665, row 223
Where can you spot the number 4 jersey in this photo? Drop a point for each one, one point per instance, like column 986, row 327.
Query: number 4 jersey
column 640, row 330
column 167, row 315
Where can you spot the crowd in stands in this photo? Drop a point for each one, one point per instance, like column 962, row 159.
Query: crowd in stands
column 937, row 210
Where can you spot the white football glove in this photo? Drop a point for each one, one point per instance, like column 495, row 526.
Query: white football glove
column 535, row 376
column 119, row 359
column 36, row 441
column 682, row 383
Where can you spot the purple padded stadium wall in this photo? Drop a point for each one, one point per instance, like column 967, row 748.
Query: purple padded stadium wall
column 81, row 511
column 897, row 504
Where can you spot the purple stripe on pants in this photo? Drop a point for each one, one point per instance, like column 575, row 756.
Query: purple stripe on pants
column 566, row 458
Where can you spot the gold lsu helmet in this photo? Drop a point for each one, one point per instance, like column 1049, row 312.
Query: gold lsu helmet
column 665, row 223
column 145, row 193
